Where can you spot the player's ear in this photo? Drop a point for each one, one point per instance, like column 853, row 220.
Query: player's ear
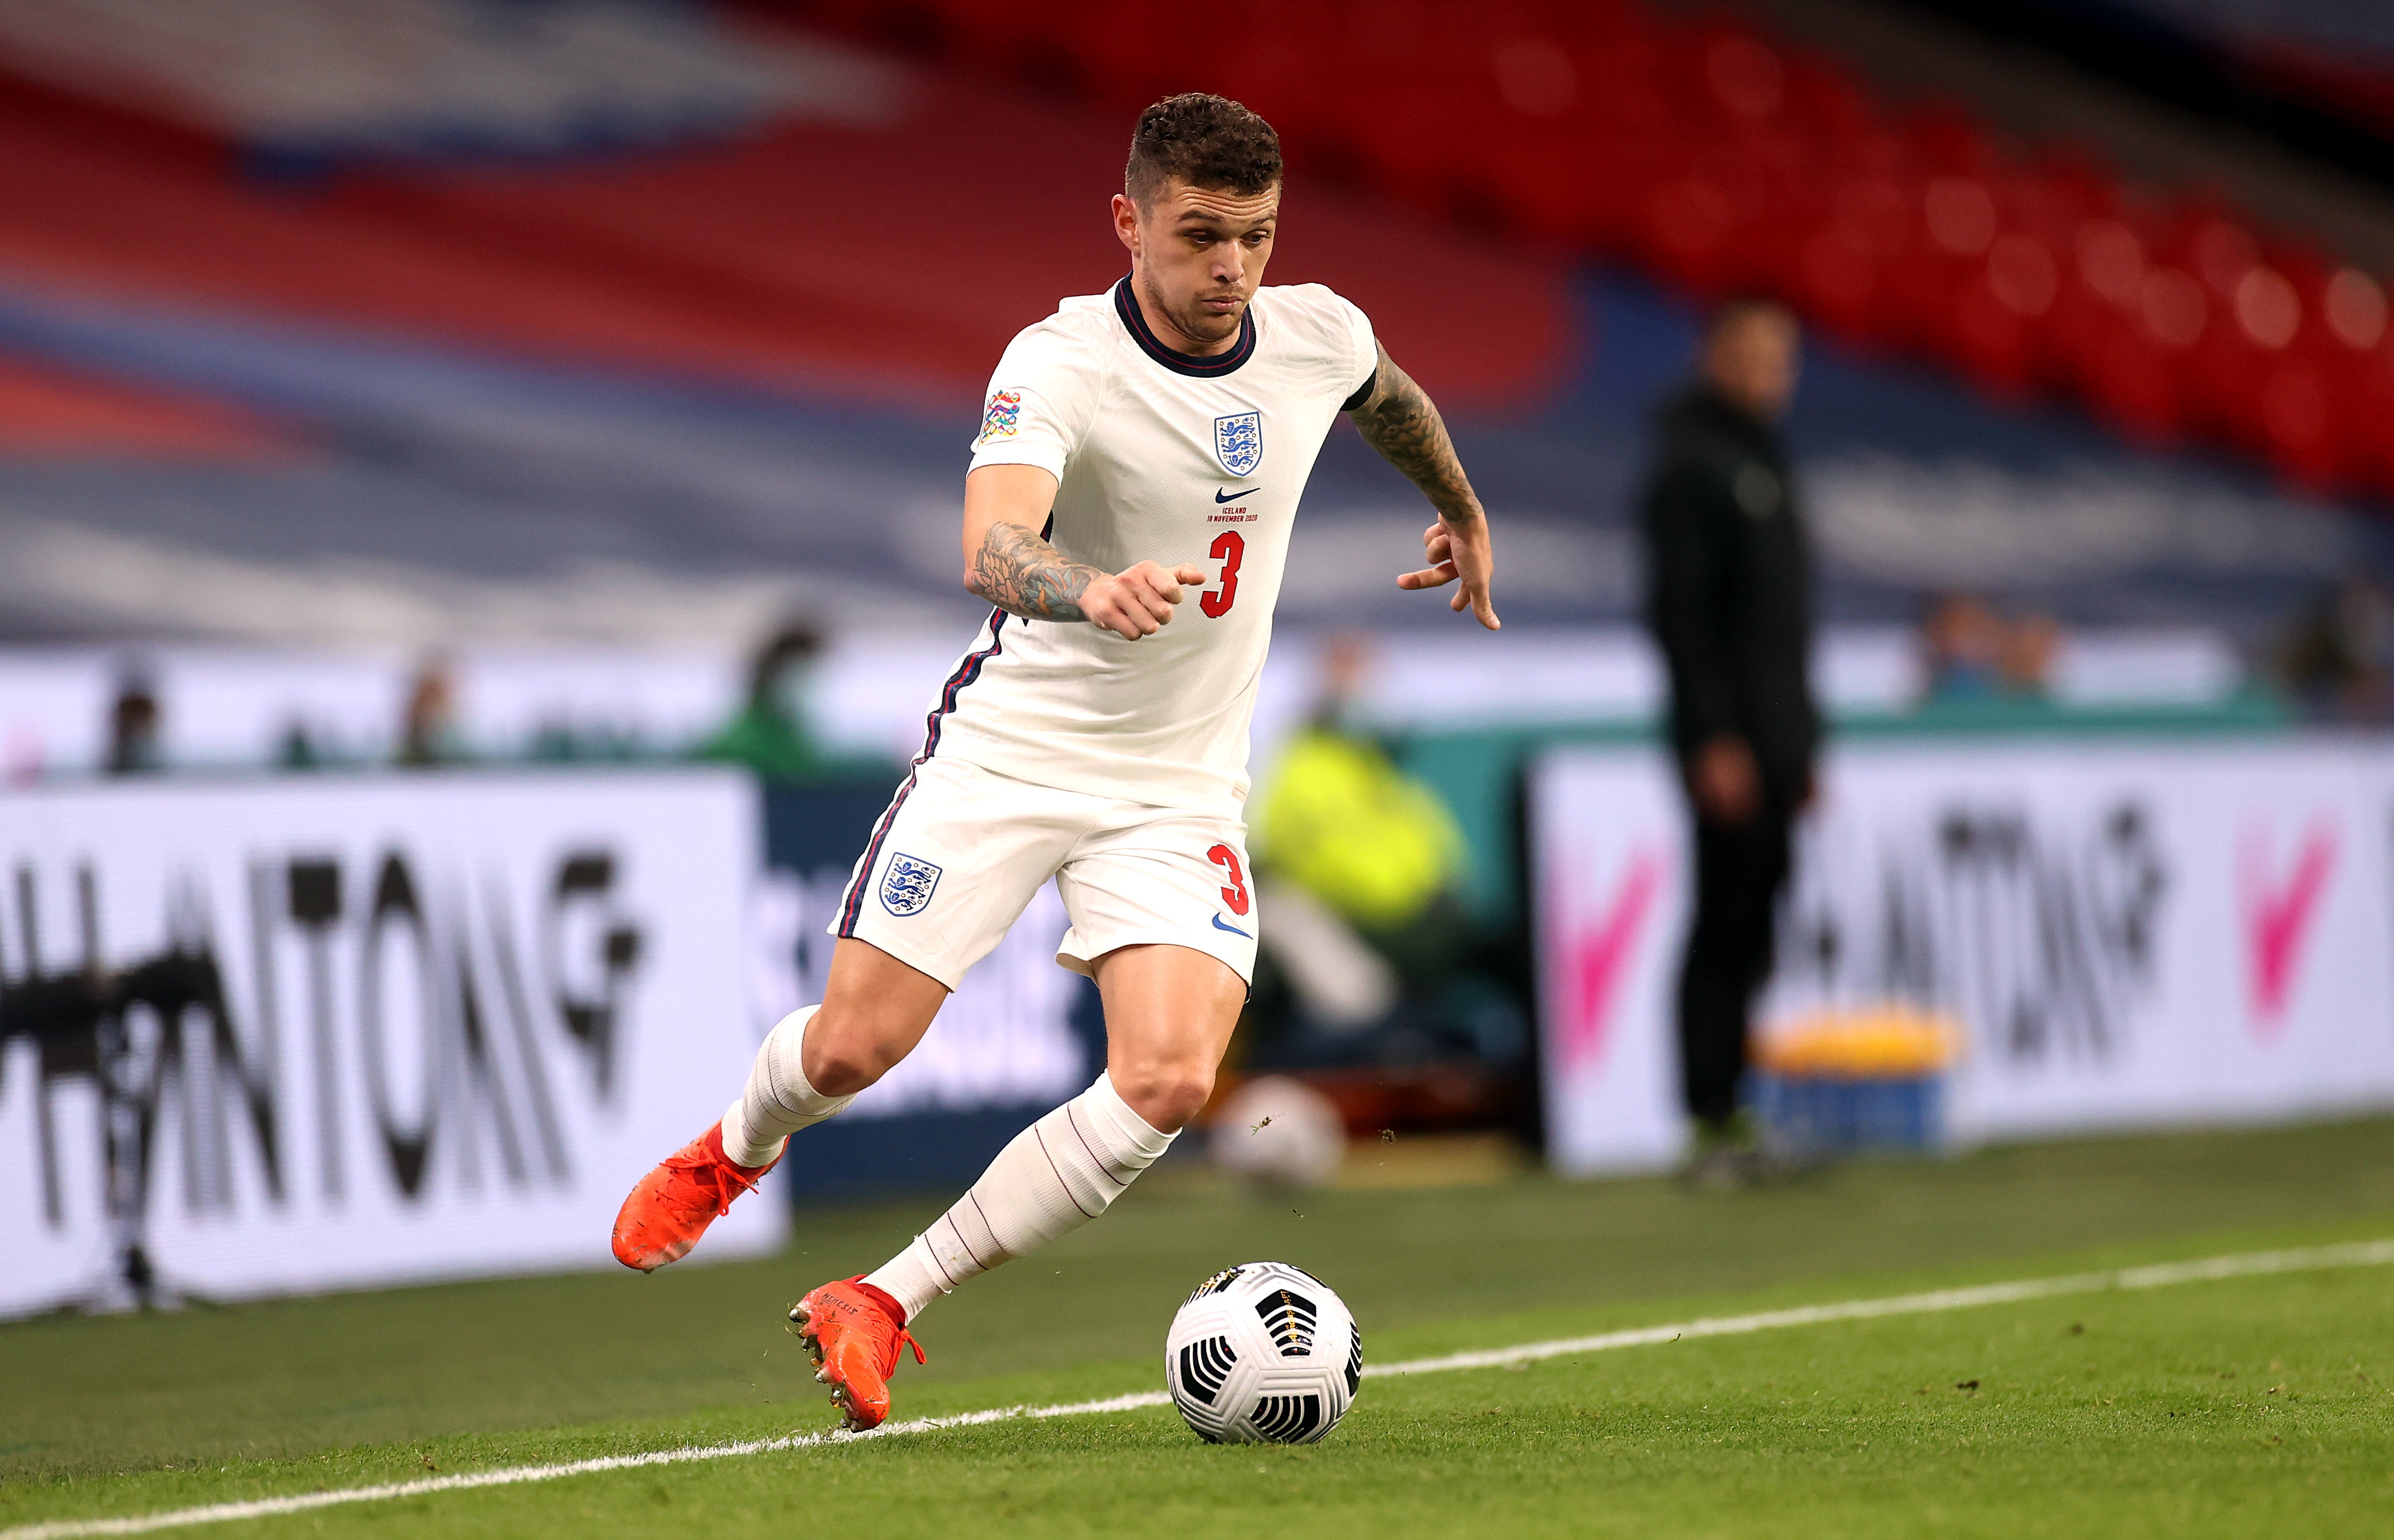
column 1126, row 222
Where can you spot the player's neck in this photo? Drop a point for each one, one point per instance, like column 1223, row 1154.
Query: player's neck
column 1169, row 332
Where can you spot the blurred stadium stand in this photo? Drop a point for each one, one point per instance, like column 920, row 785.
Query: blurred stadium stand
column 2315, row 74
column 1714, row 154
column 628, row 326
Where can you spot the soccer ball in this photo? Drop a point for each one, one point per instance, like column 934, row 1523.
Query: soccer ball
column 1263, row 1353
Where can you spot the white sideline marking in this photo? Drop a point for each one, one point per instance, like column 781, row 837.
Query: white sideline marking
column 2248, row 1264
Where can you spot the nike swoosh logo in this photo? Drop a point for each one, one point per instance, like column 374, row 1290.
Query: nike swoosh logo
column 1231, row 928
column 1226, row 497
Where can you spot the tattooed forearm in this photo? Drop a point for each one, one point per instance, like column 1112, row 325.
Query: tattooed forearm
column 1024, row 575
column 1399, row 420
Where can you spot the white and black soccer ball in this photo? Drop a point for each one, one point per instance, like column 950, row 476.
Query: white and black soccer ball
column 1263, row 1353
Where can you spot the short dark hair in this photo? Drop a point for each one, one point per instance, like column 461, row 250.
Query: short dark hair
column 1204, row 141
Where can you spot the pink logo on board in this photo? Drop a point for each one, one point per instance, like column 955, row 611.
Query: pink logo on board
column 2277, row 911
column 1596, row 957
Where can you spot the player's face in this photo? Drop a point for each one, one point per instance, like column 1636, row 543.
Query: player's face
column 1198, row 255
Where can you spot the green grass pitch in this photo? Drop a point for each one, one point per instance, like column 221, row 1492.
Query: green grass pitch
column 2245, row 1406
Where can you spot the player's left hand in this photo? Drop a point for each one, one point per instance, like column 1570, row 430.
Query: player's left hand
column 1458, row 555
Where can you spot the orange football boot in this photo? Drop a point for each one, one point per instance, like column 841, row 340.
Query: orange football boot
column 854, row 1330
column 670, row 1208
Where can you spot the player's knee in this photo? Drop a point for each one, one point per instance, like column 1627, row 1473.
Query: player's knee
column 1168, row 1096
column 842, row 1063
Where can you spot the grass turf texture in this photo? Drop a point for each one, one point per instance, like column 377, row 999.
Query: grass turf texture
column 2130, row 1425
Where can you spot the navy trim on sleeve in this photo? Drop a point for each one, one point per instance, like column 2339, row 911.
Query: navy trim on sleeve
column 1362, row 393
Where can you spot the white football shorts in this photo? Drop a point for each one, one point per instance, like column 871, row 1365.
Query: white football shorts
column 962, row 850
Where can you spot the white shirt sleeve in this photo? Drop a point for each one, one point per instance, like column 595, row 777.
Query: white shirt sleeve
column 1041, row 401
column 1367, row 348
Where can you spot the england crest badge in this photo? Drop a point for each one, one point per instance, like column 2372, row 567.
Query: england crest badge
column 906, row 885
column 1239, row 442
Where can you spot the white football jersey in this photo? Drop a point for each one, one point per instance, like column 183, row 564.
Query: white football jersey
column 1158, row 456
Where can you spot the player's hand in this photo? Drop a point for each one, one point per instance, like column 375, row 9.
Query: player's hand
column 1458, row 555
column 1726, row 783
column 1138, row 602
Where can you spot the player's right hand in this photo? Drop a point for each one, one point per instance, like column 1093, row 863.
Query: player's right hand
column 1726, row 783
column 1138, row 602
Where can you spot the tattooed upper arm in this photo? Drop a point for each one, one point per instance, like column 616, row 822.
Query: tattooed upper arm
column 1024, row 575
column 1399, row 420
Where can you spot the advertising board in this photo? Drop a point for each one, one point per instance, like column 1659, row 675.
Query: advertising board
column 269, row 1036
column 2134, row 934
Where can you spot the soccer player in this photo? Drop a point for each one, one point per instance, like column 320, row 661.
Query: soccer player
column 1139, row 449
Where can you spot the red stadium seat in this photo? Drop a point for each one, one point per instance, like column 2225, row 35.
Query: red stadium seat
column 1718, row 157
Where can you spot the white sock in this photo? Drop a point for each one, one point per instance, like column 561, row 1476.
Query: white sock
column 778, row 1102
column 1056, row 1175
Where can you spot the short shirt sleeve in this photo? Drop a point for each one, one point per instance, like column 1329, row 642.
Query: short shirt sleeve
column 1041, row 401
column 1365, row 365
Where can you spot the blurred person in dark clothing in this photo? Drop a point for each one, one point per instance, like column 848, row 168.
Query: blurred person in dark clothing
column 1730, row 601
column 133, row 724
column 2337, row 657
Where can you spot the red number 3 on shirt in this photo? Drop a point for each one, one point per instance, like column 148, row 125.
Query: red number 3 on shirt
column 1235, row 895
column 1230, row 548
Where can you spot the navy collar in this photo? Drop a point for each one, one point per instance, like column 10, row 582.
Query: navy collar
column 1209, row 366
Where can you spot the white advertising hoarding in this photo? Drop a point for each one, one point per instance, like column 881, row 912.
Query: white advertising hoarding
column 301, row 1034
column 2135, row 934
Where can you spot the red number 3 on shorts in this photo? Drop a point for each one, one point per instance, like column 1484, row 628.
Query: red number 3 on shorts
column 1235, row 895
